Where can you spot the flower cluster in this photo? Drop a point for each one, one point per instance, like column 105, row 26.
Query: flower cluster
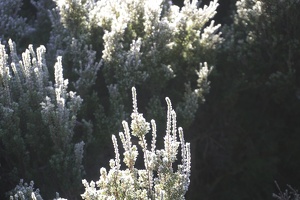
column 158, row 180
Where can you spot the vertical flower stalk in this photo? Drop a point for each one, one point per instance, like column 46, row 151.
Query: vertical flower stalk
column 158, row 180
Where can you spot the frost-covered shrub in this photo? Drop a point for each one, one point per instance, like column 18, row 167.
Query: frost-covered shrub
column 288, row 194
column 38, row 120
column 12, row 25
column 158, row 47
column 25, row 191
column 71, row 38
column 160, row 178
column 155, row 45
column 151, row 44
column 25, row 22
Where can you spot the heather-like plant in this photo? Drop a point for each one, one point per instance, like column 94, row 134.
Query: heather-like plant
column 25, row 191
column 38, row 120
column 151, row 44
column 59, row 111
column 160, row 178
column 154, row 44
column 12, row 25
column 288, row 194
column 71, row 38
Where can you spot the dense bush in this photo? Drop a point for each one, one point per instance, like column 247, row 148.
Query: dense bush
column 149, row 44
column 38, row 121
column 13, row 25
column 249, row 122
column 244, row 137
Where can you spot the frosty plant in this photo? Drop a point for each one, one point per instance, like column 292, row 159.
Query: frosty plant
column 37, row 122
column 152, row 44
column 25, row 191
column 12, row 25
column 158, row 179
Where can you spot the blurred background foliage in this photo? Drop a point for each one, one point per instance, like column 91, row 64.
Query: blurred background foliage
column 246, row 133
column 243, row 137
